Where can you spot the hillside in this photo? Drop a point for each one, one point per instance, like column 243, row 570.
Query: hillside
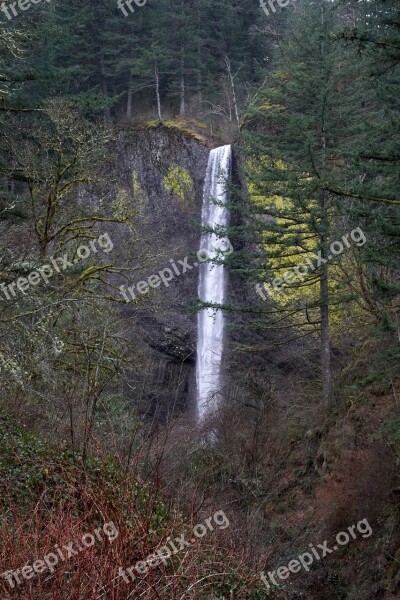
column 199, row 300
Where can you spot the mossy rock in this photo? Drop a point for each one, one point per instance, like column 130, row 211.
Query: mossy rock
column 188, row 127
column 178, row 182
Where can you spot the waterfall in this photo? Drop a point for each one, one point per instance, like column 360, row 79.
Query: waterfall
column 212, row 285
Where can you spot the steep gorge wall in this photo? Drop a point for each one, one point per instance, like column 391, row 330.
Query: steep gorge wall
column 159, row 173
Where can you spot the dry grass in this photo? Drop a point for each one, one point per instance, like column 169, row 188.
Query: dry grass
column 70, row 502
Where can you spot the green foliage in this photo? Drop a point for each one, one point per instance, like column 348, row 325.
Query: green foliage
column 320, row 142
column 188, row 127
column 180, row 184
column 28, row 465
column 104, row 62
column 390, row 433
column 22, row 457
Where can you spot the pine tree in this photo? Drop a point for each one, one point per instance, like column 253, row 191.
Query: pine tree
column 373, row 180
column 303, row 117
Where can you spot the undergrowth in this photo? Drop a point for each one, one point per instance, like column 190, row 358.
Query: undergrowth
column 49, row 500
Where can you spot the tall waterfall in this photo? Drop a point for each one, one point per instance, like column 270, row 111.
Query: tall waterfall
column 212, row 285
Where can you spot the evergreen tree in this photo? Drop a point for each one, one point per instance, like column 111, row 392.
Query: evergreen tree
column 296, row 131
column 192, row 55
column 373, row 179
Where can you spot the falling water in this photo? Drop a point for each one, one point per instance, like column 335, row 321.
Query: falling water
column 212, row 285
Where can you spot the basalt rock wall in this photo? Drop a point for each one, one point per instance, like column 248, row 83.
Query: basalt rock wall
column 158, row 173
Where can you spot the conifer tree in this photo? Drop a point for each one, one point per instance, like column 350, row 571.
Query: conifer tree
column 301, row 120
column 372, row 183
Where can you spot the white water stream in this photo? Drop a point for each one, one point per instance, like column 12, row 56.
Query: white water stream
column 212, row 286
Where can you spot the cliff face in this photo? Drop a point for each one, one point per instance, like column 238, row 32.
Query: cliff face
column 159, row 171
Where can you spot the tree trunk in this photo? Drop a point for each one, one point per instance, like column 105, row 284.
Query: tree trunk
column 232, row 81
column 157, row 78
column 325, row 336
column 324, row 295
column 324, row 277
column 107, row 112
column 182, row 109
column 129, row 99
column 199, row 76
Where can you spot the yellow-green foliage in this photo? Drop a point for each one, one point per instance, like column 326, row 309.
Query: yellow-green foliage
column 267, row 106
column 300, row 244
column 178, row 182
column 127, row 205
column 139, row 195
column 121, row 204
column 186, row 126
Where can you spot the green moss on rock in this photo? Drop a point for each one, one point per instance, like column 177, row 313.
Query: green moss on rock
column 180, row 184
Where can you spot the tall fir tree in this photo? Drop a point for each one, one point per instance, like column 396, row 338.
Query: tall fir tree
column 294, row 136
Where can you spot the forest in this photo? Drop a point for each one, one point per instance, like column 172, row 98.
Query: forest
column 200, row 300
